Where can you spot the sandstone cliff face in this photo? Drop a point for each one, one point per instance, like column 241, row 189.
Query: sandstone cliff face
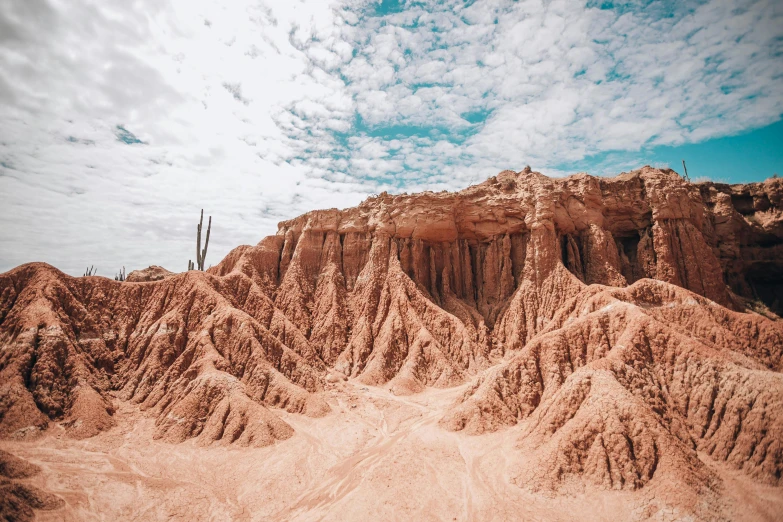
column 616, row 316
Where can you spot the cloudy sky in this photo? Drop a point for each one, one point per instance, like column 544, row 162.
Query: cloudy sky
column 120, row 120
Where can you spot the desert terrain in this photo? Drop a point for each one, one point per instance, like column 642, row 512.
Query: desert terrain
column 378, row 457
column 525, row 349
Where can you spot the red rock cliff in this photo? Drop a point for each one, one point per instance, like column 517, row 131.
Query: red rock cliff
column 642, row 308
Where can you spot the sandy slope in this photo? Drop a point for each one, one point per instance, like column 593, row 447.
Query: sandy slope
column 378, row 456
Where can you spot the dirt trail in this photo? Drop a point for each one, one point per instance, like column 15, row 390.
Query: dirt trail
column 345, row 477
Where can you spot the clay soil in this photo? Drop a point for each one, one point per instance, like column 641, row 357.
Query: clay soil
column 377, row 457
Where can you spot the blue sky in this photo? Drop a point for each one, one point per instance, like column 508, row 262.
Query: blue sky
column 121, row 120
column 746, row 157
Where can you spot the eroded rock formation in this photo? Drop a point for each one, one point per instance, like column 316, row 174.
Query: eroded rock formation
column 151, row 273
column 631, row 322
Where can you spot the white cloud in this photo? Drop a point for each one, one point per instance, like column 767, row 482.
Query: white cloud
column 202, row 85
column 258, row 111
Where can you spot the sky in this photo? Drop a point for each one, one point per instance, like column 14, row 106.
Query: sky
column 121, row 120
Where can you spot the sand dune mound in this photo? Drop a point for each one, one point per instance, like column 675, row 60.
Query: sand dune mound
column 623, row 327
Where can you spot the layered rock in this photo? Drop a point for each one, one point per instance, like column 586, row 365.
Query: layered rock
column 630, row 322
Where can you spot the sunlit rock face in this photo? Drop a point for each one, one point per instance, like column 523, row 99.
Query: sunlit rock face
column 623, row 326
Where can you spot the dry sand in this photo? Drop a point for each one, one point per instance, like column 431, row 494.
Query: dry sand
column 376, row 457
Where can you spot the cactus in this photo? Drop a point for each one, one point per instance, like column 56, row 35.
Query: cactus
column 91, row 271
column 120, row 276
column 687, row 178
column 201, row 254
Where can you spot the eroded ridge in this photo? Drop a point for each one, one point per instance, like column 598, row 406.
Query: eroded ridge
column 625, row 325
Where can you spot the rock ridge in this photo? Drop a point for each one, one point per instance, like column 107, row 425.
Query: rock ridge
column 625, row 325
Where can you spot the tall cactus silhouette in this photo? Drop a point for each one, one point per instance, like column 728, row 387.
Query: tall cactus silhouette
column 201, row 254
column 685, row 169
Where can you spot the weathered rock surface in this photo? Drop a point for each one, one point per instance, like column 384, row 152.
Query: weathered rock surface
column 632, row 323
column 151, row 273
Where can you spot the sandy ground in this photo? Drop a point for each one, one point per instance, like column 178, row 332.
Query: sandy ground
column 377, row 456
